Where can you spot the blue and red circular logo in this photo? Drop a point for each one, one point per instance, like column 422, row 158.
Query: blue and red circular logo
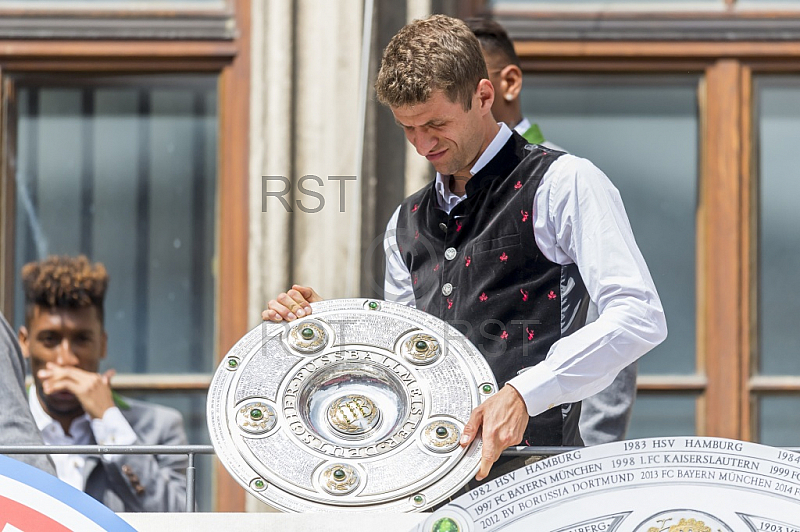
column 34, row 501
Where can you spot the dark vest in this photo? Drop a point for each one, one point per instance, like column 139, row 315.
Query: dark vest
column 479, row 269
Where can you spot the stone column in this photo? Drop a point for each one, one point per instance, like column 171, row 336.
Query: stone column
column 325, row 231
column 272, row 102
column 304, row 129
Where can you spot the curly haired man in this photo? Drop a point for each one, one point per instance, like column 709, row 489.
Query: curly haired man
column 73, row 404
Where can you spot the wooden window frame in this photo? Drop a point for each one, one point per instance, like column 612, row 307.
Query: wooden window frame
column 118, row 21
column 230, row 60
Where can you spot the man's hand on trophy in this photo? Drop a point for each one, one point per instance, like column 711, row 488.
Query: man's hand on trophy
column 290, row 305
column 501, row 421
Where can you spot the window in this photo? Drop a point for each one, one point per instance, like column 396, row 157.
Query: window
column 777, row 101
column 99, row 124
column 642, row 131
column 124, row 170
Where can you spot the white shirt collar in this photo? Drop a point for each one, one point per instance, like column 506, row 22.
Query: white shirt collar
column 523, row 126
column 79, row 429
column 41, row 417
column 447, row 200
column 69, row 467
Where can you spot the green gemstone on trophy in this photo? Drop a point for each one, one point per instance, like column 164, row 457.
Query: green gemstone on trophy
column 339, row 475
column 256, row 414
column 422, row 345
column 232, row 362
column 445, row 524
column 307, row 333
column 442, row 432
column 373, row 305
column 259, row 484
column 418, row 499
column 487, row 388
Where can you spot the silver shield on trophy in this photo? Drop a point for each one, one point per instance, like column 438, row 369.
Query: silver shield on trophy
column 359, row 406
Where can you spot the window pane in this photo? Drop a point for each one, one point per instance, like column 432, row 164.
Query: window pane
column 663, row 415
column 124, row 171
column 642, row 132
column 778, row 100
column 778, row 419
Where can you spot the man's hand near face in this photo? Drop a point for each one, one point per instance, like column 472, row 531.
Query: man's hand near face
column 501, row 421
column 93, row 390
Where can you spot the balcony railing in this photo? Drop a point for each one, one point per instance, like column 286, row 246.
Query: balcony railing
column 189, row 450
column 193, row 450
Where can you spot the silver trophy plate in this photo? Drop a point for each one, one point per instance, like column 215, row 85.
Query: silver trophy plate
column 667, row 484
column 359, row 406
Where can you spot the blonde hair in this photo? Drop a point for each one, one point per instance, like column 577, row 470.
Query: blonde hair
column 436, row 53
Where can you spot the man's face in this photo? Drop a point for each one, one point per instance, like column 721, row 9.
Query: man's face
column 444, row 133
column 66, row 337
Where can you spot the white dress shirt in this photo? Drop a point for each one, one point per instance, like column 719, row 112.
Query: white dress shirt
column 578, row 218
column 112, row 429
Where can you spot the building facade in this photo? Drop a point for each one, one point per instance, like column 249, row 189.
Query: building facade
column 212, row 152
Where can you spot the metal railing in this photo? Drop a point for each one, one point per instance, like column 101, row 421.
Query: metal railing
column 193, row 450
column 189, row 450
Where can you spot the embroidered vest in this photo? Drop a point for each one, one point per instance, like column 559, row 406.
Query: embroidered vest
column 479, row 269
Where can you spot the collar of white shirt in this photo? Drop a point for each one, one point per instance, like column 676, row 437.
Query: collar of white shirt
column 523, row 126
column 447, row 200
column 79, row 431
column 69, row 467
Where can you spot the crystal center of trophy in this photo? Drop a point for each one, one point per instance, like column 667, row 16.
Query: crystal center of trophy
column 353, row 415
column 364, row 403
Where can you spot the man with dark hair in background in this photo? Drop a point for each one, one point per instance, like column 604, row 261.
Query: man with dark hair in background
column 505, row 73
column 16, row 423
column 605, row 416
column 64, row 338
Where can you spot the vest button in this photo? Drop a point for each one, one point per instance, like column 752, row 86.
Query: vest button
column 443, row 227
column 450, row 253
column 447, row 289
